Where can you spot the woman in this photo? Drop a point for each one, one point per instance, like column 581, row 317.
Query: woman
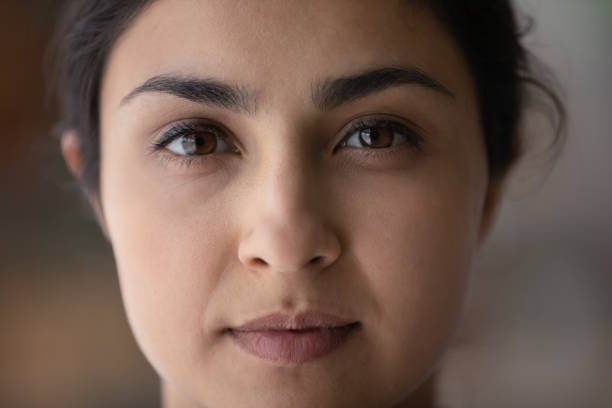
column 294, row 191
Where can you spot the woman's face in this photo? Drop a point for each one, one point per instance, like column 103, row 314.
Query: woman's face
column 292, row 158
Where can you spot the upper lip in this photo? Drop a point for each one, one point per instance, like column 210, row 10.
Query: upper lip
column 301, row 321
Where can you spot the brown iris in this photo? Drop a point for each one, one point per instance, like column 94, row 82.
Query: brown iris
column 200, row 143
column 376, row 137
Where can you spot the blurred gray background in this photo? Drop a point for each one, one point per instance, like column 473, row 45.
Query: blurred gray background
column 537, row 330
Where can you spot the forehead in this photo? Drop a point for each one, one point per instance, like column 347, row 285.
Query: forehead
column 281, row 45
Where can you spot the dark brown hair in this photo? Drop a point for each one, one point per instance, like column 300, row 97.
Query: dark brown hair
column 84, row 37
column 508, row 78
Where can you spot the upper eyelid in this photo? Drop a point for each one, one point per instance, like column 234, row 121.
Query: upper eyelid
column 178, row 129
column 370, row 121
column 378, row 118
column 195, row 126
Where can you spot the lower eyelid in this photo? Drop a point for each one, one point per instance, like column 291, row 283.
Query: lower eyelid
column 207, row 163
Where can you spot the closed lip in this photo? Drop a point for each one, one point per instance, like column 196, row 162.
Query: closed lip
column 293, row 339
column 301, row 321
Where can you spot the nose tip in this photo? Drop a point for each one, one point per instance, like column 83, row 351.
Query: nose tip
column 286, row 227
column 286, row 250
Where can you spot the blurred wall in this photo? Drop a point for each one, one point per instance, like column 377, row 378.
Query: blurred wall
column 537, row 330
column 538, row 327
column 64, row 341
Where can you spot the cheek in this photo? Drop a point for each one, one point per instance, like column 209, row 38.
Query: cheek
column 414, row 248
column 170, row 251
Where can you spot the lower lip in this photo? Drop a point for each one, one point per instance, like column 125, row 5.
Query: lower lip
column 292, row 347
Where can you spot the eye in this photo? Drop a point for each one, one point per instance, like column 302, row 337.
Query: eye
column 380, row 134
column 195, row 139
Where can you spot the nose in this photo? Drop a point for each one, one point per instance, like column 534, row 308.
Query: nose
column 285, row 228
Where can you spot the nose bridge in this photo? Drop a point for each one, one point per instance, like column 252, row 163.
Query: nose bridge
column 286, row 229
column 289, row 190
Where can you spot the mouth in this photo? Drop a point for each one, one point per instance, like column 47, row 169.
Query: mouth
column 293, row 339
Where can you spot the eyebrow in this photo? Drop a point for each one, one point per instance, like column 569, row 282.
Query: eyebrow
column 326, row 94
column 332, row 93
column 207, row 91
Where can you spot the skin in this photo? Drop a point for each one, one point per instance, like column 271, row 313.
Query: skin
column 231, row 236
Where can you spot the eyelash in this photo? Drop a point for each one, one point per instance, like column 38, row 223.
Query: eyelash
column 191, row 128
column 411, row 136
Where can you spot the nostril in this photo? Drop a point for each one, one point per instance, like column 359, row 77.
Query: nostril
column 315, row 260
column 259, row 262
